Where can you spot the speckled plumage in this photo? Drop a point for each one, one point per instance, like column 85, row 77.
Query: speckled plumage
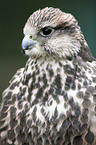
column 52, row 100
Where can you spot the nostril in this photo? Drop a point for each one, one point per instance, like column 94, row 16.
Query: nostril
column 30, row 36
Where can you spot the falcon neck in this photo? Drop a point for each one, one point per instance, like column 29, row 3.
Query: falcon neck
column 56, row 65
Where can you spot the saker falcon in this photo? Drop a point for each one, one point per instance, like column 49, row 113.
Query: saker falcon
column 52, row 100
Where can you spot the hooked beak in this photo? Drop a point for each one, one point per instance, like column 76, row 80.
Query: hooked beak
column 27, row 44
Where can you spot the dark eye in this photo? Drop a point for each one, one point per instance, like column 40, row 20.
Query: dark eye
column 46, row 31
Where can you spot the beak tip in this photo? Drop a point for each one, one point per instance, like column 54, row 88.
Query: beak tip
column 23, row 50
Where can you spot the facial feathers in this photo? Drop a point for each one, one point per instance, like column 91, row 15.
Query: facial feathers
column 66, row 39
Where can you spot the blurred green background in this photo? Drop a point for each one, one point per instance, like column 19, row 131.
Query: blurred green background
column 14, row 14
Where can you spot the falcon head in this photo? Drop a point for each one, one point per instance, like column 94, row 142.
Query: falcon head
column 51, row 32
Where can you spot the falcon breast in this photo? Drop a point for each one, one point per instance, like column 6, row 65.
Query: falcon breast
column 52, row 100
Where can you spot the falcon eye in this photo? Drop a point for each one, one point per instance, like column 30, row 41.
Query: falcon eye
column 46, row 31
